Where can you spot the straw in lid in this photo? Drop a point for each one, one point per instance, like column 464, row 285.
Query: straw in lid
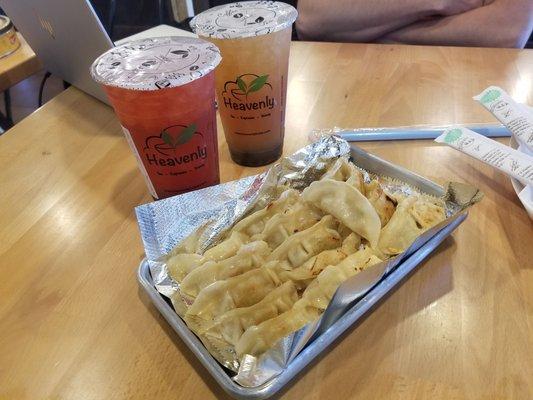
column 244, row 19
column 156, row 63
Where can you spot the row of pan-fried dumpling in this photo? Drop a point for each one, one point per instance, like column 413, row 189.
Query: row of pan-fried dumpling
column 280, row 266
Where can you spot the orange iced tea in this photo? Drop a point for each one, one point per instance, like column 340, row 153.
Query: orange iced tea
column 251, row 81
column 162, row 90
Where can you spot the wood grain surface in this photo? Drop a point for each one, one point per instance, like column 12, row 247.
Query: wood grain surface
column 75, row 325
column 18, row 65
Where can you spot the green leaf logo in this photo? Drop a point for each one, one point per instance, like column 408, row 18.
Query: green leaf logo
column 257, row 83
column 184, row 136
column 167, row 138
column 490, row 96
column 453, row 135
column 242, row 85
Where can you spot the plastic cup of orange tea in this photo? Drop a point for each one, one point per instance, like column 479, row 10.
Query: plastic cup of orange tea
column 163, row 93
column 251, row 82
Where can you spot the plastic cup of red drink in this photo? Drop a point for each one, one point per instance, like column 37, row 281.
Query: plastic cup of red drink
column 163, row 93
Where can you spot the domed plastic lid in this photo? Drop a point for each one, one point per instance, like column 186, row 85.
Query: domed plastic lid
column 156, row 63
column 244, row 19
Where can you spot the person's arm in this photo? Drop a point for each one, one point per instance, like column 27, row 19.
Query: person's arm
column 502, row 23
column 367, row 20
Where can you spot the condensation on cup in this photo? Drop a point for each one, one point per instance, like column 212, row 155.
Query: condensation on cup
column 162, row 90
column 254, row 39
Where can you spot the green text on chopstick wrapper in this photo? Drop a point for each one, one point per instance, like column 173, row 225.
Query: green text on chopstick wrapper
column 490, row 96
column 452, row 135
column 514, row 116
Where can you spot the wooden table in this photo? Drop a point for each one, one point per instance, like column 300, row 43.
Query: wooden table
column 74, row 324
column 14, row 68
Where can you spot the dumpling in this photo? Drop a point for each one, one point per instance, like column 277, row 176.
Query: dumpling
column 179, row 265
column 255, row 223
column 382, row 204
column 258, row 339
column 312, row 267
column 295, row 219
column 344, row 231
column 413, row 216
column 301, row 246
column 239, row 291
column 344, row 170
column 320, row 292
column 251, row 255
column 351, row 243
column 428, row 213
column 232, row 324
column 346, row 204
column 226, row 248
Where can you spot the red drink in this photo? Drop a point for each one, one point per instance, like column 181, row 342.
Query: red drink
column 163, row 93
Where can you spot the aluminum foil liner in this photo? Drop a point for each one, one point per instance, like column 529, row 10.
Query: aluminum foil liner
column 194, row 221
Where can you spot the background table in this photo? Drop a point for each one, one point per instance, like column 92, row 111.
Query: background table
column 74, row 324
column 14, row 68
column 18, row 65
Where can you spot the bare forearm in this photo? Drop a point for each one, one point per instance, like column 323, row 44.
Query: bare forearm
column 503, row 23
column 359, row 20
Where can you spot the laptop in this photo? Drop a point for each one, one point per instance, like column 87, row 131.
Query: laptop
column 68, row 36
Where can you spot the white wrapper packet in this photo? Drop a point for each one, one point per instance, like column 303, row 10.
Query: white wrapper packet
column 491, row 152
column 517, row 118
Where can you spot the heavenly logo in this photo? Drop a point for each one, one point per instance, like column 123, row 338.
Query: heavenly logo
column 177, row 146
column 248, row 92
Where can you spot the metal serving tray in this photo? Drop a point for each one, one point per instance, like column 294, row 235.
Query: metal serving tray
column 356, row 311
